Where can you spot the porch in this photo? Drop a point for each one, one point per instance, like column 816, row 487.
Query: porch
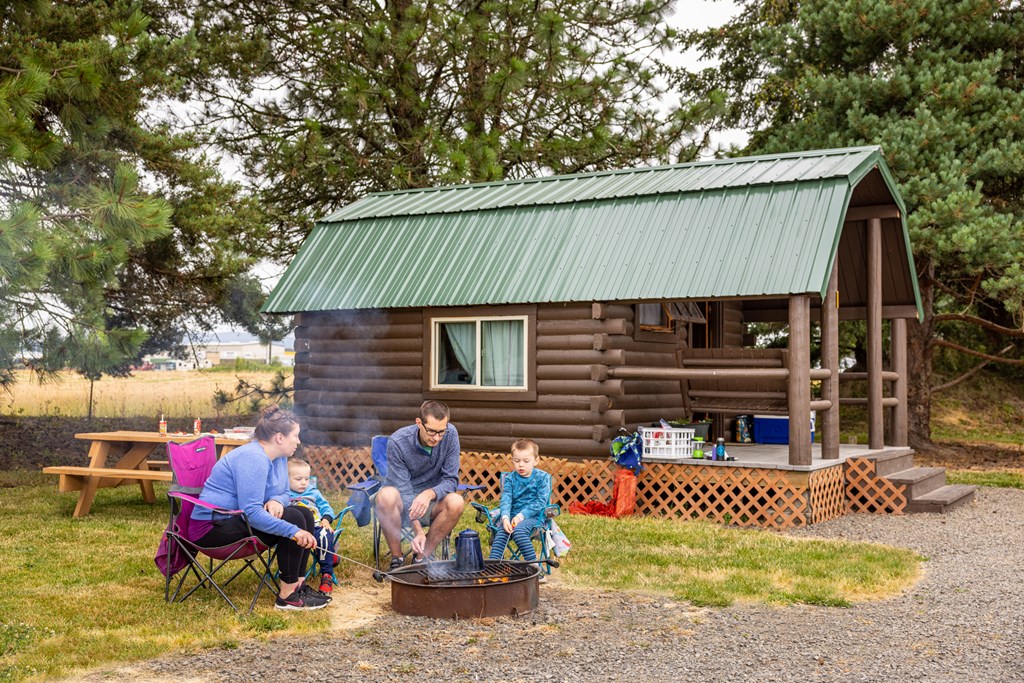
column 759, row 489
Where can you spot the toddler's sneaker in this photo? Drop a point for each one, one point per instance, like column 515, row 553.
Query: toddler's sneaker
column 326, row 583
column 302, row 600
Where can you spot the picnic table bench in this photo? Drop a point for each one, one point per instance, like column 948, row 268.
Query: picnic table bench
column 129, row 462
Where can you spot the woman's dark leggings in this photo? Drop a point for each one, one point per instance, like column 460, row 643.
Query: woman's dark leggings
column 291, row 559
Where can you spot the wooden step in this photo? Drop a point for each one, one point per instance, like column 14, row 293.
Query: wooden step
column 943, row 499
column 889, row 463
column 919, row 480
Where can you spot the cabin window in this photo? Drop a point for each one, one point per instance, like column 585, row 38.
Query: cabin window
column 654, row 317
column 479, row 353
column 664, row 317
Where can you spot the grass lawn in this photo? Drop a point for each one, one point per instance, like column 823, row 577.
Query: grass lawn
column 999, row 479
column 84, row 592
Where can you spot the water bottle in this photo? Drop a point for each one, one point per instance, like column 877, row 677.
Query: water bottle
column 720, row 449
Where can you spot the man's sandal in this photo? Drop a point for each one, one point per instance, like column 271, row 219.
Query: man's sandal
column 396, row 563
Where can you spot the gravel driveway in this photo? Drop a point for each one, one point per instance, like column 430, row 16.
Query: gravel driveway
column 964, row 621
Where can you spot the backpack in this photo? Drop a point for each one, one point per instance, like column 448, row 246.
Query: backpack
column 627, row 450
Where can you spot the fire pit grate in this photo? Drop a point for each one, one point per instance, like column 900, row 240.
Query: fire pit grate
column 496, row 572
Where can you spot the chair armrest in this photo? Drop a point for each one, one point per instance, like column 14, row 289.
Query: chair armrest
column 341, row 513
column 203, row 503
column 369, row 487
column 483, row 513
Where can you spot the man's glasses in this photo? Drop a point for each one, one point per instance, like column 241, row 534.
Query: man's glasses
column 434, row 432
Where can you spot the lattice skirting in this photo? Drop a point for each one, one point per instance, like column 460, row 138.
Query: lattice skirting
column 867, row 492
column 743, row 496
column 732, row 495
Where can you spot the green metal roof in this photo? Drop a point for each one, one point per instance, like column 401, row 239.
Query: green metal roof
column 751, row 226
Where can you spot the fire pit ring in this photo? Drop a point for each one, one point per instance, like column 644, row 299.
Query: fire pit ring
column 437, row 590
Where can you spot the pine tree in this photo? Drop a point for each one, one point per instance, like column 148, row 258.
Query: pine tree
column 108, row 219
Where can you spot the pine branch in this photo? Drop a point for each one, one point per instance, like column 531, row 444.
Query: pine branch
column 977, row 354
column 980, row 322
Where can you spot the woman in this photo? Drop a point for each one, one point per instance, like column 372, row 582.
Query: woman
column 254, row 478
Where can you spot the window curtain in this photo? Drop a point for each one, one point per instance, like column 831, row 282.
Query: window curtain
column 458, row 340
column 501, row 353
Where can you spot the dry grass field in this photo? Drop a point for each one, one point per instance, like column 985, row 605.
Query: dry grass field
column 181, row 395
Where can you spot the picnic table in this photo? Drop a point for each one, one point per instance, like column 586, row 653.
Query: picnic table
column 123, row 458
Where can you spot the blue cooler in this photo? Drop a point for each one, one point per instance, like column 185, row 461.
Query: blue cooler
column 774, row 429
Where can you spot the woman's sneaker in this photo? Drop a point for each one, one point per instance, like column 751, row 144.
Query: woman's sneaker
column 303, row 598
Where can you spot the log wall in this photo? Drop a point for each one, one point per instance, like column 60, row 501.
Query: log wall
column 360, row 373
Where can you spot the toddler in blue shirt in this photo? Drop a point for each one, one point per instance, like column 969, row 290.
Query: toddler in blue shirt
column 304, row 492
column 525, row 492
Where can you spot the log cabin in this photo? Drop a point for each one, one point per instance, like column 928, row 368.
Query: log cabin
column 567, row 308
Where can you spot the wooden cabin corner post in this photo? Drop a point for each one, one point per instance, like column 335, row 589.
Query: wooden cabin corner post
column 876, row 429
column 799, row 388
column 830, row 362
column 898, row 342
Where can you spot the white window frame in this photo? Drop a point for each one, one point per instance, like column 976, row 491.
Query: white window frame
column 478, row 320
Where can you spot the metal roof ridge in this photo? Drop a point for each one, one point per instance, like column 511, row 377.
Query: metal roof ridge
column 623, row 171
column 344, row 214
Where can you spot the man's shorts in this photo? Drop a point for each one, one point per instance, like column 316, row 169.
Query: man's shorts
column 428, row 516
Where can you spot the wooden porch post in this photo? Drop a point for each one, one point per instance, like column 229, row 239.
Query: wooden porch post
column 876, row 429
column 898, row 353
column 830, row 361
column 799, row 388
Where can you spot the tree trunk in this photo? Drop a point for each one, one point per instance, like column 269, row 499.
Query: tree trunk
column 919, row 365
column 92, row 383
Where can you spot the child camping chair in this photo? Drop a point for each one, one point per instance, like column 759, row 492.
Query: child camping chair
column 180, row 556
column 365, row 509
column 542, row 526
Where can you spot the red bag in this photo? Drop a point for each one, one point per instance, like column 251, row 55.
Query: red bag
column 592, row 507
column 624, row 493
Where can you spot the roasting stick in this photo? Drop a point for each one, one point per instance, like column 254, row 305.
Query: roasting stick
column 378, row 575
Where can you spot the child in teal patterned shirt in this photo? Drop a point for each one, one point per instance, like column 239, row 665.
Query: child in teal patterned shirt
column 525, row 492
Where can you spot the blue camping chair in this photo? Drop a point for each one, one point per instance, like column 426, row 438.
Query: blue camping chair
column 490, row 517
column 365, row 511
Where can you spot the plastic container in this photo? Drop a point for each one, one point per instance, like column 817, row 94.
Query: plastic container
column 667, row 444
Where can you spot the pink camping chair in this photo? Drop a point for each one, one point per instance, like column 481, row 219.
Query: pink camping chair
column 179, row 555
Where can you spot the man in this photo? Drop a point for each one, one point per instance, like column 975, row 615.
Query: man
column 423, row 473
